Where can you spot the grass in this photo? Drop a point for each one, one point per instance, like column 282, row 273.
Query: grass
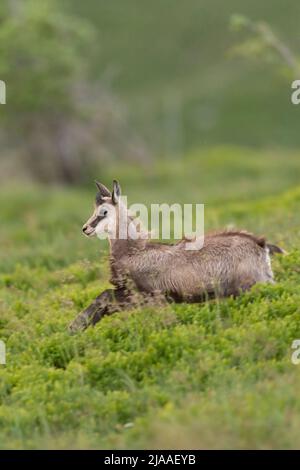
column 212, row 375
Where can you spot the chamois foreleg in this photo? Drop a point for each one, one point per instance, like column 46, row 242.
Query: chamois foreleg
column 111, row 301
column 105, row 304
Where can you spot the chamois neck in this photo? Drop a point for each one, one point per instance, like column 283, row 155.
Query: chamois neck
column 136, row 240
column 121, row 247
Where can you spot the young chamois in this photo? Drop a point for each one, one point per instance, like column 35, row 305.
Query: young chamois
column 228, row 263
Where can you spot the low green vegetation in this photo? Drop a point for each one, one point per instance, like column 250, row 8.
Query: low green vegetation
column 215, row 375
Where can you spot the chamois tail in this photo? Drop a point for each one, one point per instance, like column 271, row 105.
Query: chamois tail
column 275, row 249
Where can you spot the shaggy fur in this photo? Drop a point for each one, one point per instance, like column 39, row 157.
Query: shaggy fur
column 229, row 263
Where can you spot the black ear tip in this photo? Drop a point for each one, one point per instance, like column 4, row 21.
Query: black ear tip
column 117, row 186
column 116, row 191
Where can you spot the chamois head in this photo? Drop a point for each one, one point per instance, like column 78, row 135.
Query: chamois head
column 104, row 219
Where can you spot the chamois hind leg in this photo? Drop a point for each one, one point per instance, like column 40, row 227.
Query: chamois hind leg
column 104, row 304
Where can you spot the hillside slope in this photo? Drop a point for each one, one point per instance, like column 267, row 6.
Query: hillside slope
column 215, row 375
column 170, row 64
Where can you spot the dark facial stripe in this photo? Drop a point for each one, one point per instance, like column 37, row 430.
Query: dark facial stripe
column 96, row 221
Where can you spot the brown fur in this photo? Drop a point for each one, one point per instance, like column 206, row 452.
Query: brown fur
column 229, row 263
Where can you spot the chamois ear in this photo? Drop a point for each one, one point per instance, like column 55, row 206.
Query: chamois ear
column 103, row 189
column 116, row 193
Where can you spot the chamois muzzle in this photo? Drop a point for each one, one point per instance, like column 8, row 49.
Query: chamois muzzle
column 88, row 230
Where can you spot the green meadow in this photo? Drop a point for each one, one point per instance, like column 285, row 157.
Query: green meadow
column 150, row 93
column 211, row 375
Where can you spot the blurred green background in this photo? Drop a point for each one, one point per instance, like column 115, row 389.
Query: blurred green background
column 93, row 84
column 181, row 102
column 171, row 64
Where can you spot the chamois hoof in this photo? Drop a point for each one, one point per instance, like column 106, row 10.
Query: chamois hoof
column 77, row 325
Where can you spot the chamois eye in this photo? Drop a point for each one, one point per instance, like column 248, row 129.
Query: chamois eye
column 104, row 212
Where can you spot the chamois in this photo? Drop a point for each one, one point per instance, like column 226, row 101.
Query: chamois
column 228, row 263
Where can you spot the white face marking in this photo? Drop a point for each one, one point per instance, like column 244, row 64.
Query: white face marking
column 108, row 223
column 103, row 210
column 113, row 221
